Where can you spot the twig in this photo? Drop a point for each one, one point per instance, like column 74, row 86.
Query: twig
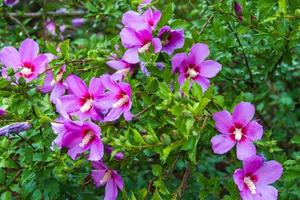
column 142, row 112
column 243, row 53
column 50, row 13
column 18, row 22
column 183, row 184
column 24, row 139
column 206, row 23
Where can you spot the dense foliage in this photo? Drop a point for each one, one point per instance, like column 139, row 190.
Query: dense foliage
column 165, row 151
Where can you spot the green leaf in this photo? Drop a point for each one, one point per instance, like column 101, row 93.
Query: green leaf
column 186, row 87
column 137, row 137
column 65, row 49
column 282, row 6
column 156, row 170
column 167, row 14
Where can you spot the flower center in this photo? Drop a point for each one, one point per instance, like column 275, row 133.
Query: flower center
column 121, row 101
column 144, row 48
column 26, row 71
column 87, row 139
column 238, row 134
column 250, row 184
column 57, row 79
column 106, row 177
column 192, row 73
column 87, row 106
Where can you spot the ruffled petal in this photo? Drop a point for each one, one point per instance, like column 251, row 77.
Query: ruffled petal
column 223, row 121
column 77, row 86
column 238, row 178
column 270, row 172
column 97, row 176
column 209, row 68
column 203, row 82
column 245, row 149
column 243, row 113
column 246, row 195
column 111, row 190
column 10, row 57
column 40, row 63
column 57, row 92
column 96, row 88
column 70, row 103
column 177, row 61
column 29, row 49
column 156, row 45
column 266, row 192
column 129, row 38
column 251, row 164
column 96, row 150
column 222, row 144
column 110, row 84
column 198, row 53
column 131, row 55
column 118, row 180
column 253, row 131
column 114, row 114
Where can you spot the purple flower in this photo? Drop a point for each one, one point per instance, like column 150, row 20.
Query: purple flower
column 237, row 129
column 102, row 175
column 148, row 20
column 109, row 150
column 11, row 3
column 51, row 27
column 26, row 62
column 79, row 137
column 2, row 112
column 144, row 69
column 160, row 65
column 238, row 10
column 195, row 67
column 254, row 179
column 120, row 64
column 81, row 99
column 117, row 99
column 62, row 28
column 138, row 42
column 171, row 39
column 55, row 85
column 14, row 128
column 77, row 22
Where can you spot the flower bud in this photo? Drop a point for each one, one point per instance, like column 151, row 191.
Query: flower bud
column 238, row 10
column 11, row 3
column 165, row 139
column 14, row 128
column 2, row 112
column 117, row 156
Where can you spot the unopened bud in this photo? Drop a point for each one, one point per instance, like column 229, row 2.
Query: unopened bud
column 14, row 128
column 2, row 112
column 238, row 10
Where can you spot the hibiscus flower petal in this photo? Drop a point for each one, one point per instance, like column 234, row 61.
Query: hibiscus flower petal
column 253, row 131
column 270, row 172
column 223, row 121
column 243, row 113
column 29, row 49
column 238, row 178
column 222, row 144
column 77, row 86
column 10, row 57
column 198, row 53
column 209, row 68
column 245, row 149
